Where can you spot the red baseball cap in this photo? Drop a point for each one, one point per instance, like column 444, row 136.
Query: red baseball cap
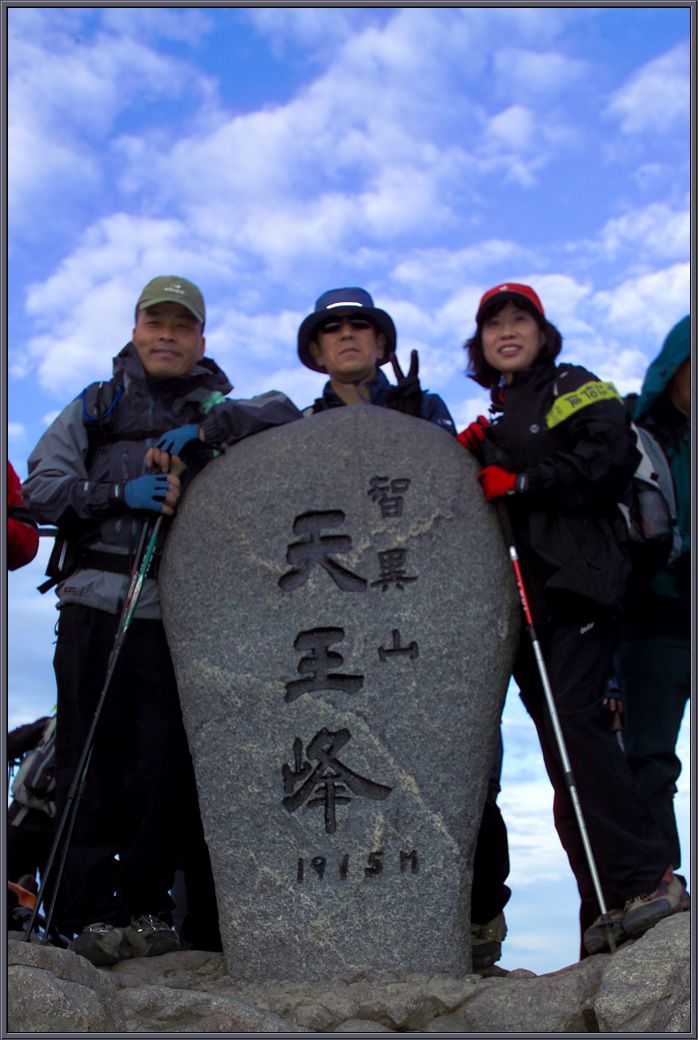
column 511, row 290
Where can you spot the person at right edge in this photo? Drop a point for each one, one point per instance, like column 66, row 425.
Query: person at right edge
column 653, row 661
column 561, row 451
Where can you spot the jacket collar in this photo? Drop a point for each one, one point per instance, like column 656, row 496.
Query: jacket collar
column 377, row 390
column 128, row 368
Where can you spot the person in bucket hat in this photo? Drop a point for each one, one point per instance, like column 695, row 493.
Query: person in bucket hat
column 349, row 338
column 560, row 453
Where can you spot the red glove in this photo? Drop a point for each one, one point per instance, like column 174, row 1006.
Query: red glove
column 473, row 435
column 497, row 481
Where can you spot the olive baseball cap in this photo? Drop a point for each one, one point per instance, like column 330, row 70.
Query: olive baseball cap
column 168, row 288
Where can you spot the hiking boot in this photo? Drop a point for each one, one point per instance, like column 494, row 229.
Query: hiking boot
column 596, row 935
column 486, row 941
column 102, row 944
column 150, row 937
column 669, row 897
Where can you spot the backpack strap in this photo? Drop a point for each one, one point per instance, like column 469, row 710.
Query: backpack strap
column 98, row 403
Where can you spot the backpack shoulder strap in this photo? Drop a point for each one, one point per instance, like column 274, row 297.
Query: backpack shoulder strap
column 654, row 469
column 99, row 401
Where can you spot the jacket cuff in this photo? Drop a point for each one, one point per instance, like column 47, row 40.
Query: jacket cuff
column 117, row 497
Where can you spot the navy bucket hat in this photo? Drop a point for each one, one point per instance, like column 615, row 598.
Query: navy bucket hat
column 337, row 303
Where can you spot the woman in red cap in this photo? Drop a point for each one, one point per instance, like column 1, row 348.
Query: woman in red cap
column 560, row 448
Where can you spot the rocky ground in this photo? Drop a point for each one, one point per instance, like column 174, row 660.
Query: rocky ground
column 643, row 988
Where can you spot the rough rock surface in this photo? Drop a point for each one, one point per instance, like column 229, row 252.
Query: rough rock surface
column 159, row 1009
column 55, row 991
column 644, row 987
column 647, row 990
column 342, row 618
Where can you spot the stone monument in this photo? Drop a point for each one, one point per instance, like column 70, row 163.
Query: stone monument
column 342, row 620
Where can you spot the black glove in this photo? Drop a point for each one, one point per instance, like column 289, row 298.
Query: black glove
column 407, row 395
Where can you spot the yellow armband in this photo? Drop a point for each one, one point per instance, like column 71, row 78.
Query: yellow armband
column 570, row 403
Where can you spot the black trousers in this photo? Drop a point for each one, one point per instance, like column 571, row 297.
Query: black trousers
column 630, row 852
column 489, row 894
column 653, row 666
column 139, row 803
column 29, row 844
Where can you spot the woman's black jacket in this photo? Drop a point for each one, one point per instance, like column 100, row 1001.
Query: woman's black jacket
column 569, row 532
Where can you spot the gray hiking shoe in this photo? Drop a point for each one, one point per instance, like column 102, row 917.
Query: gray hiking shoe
column 669, row 897
column 486, row 941
column 596, row 935
column 150, row 937
column 102, row 944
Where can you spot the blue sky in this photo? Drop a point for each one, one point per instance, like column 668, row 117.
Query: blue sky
column 269, row 154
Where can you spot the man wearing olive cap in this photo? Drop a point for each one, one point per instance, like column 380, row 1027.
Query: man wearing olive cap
column 102, row 469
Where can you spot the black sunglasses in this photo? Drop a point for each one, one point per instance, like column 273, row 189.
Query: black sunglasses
column 336, row 323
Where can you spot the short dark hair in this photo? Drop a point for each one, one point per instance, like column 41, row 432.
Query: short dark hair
column 483, row 373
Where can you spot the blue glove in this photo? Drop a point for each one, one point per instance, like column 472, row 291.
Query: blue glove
column 174, row 440
column 147, row 492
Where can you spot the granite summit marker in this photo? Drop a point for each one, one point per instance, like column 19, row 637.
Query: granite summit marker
column 342, row 620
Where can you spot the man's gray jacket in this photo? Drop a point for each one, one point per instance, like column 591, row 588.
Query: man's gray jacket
column 74, row 465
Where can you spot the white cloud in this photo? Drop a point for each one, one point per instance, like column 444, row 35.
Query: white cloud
column 64, row 93
column 307, row 27
column 15, row 431
column 658, row 230
column 649, row 305
column 87, row 304
column 448, row 269
column 513, row 142
column 514, row 128
column 657, row 97
column 156, row 23
column 338, row 164
column 535, row 73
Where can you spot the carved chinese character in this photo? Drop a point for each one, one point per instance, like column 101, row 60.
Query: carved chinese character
column 392, row 564
column 316, row 665
column 412, row 649
column 330, row 778
column 388, row 493
column 317, row 548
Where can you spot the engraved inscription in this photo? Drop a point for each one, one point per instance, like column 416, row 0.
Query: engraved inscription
column 389, row 494
column 392, row 565
column 376, row 865
column 330, row 782
column 409, row 857
column 319, row 548
column 388, row 651
column 315, row 666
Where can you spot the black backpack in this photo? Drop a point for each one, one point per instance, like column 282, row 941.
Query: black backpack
column 649, row 503
column 34, row 785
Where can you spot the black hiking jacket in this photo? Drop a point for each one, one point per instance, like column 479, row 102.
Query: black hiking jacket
column 569, row 532
column 70, row 477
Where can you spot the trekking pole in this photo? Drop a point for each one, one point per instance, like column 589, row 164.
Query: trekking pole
column 146, row 547
column 508, row 533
